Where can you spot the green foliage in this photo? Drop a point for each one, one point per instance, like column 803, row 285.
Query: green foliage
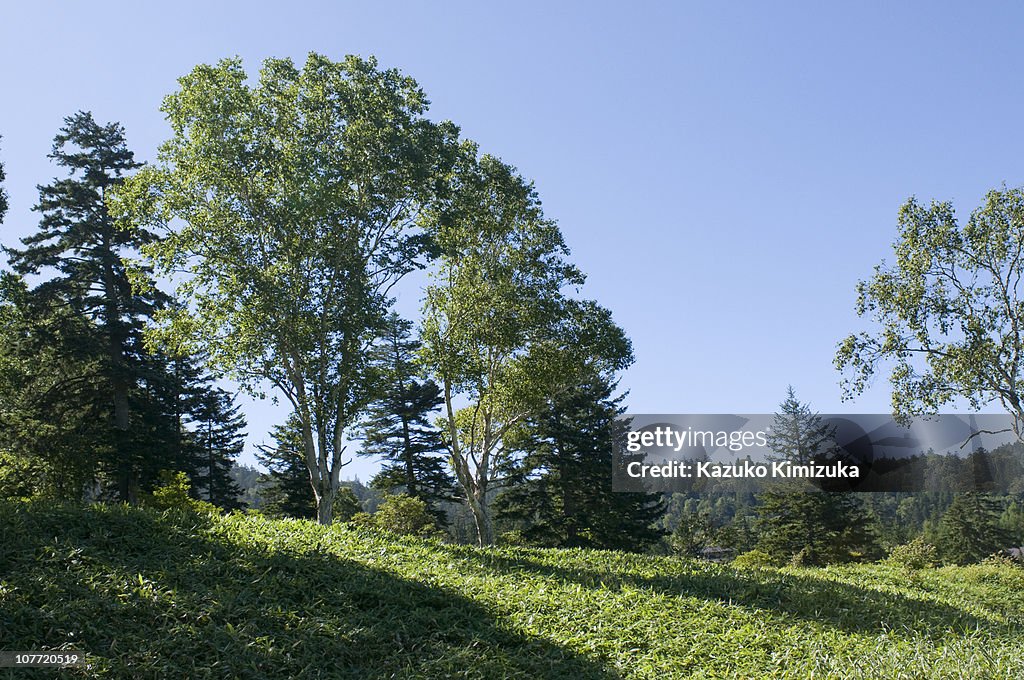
column 174, row 493
column 693, row 532
column 346, row 505
column 362, row 519
column 1012, row 522
column 405, row 515
column 798, row 434
column 701, row 519
column 173, row 594
column 970, row 529
column 284, row 269
column 798, row 524
column 1001, row 560
column 397, row 427
column 559, row 494
column 78, row 251
column 499, row 335
column 79, row 393
column 917, row 554
column 512, row 538
column 821, row 527
column 286, row 492
column 755, row 559
column 248, row 479
column 949, row 318
column 20, row 477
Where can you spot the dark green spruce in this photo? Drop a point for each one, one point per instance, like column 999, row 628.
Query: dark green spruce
column 287, row 491
column 97, row 403
column 561, row 490
column 799, row 523
column 398, row 428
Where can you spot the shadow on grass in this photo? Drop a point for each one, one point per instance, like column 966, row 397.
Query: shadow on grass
column 151, row 597
column 844, row 606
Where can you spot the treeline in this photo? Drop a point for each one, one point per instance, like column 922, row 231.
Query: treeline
column 974, row 508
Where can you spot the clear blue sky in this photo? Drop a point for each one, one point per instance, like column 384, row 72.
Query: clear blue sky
column 724, row 172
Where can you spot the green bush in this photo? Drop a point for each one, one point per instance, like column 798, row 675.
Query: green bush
column 173, row 493
column 1001, row 560
column 346, row 505
column 803, row 558
column 362, row 519
column 512, row 538
column 754, row 559
column 917, row 554
column 19, row 476
column 405, row 515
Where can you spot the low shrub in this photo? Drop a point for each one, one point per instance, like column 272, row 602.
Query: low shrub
column 1001, row 560
column 917, row 554
column 405, row 515
column 173, row 493
column 754, row 559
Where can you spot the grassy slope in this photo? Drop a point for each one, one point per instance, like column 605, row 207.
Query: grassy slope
column 151, row 595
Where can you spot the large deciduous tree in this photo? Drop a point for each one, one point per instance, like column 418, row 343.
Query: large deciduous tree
column 948, row 312
column 288, row 209
column 500, row 336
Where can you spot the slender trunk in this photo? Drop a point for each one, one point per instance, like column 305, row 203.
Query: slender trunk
column 410, row 468
column 209, row 461
column 474, row 485
column 482, row 519
column 119, row 389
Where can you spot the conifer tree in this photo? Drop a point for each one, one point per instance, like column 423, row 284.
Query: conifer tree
column 79, row 250
column 970, row 529
column 561, row 493
column 48, row 413
column 819, row 527
column 217, row 439
column 398, row 428
column 1012, row 522
column 287, row 491
column 798, row 435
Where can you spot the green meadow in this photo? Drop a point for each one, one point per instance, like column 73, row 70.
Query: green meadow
column 179, row 594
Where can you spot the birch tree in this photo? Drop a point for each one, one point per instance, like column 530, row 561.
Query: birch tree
column 948, row 314
column 287, row 210
column 500, row 336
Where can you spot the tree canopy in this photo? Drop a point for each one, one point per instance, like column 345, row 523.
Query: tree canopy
column 499, row 330
column 948, row 313
column 288, row 210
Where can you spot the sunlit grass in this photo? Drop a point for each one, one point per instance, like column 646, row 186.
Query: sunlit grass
column 182, row 595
